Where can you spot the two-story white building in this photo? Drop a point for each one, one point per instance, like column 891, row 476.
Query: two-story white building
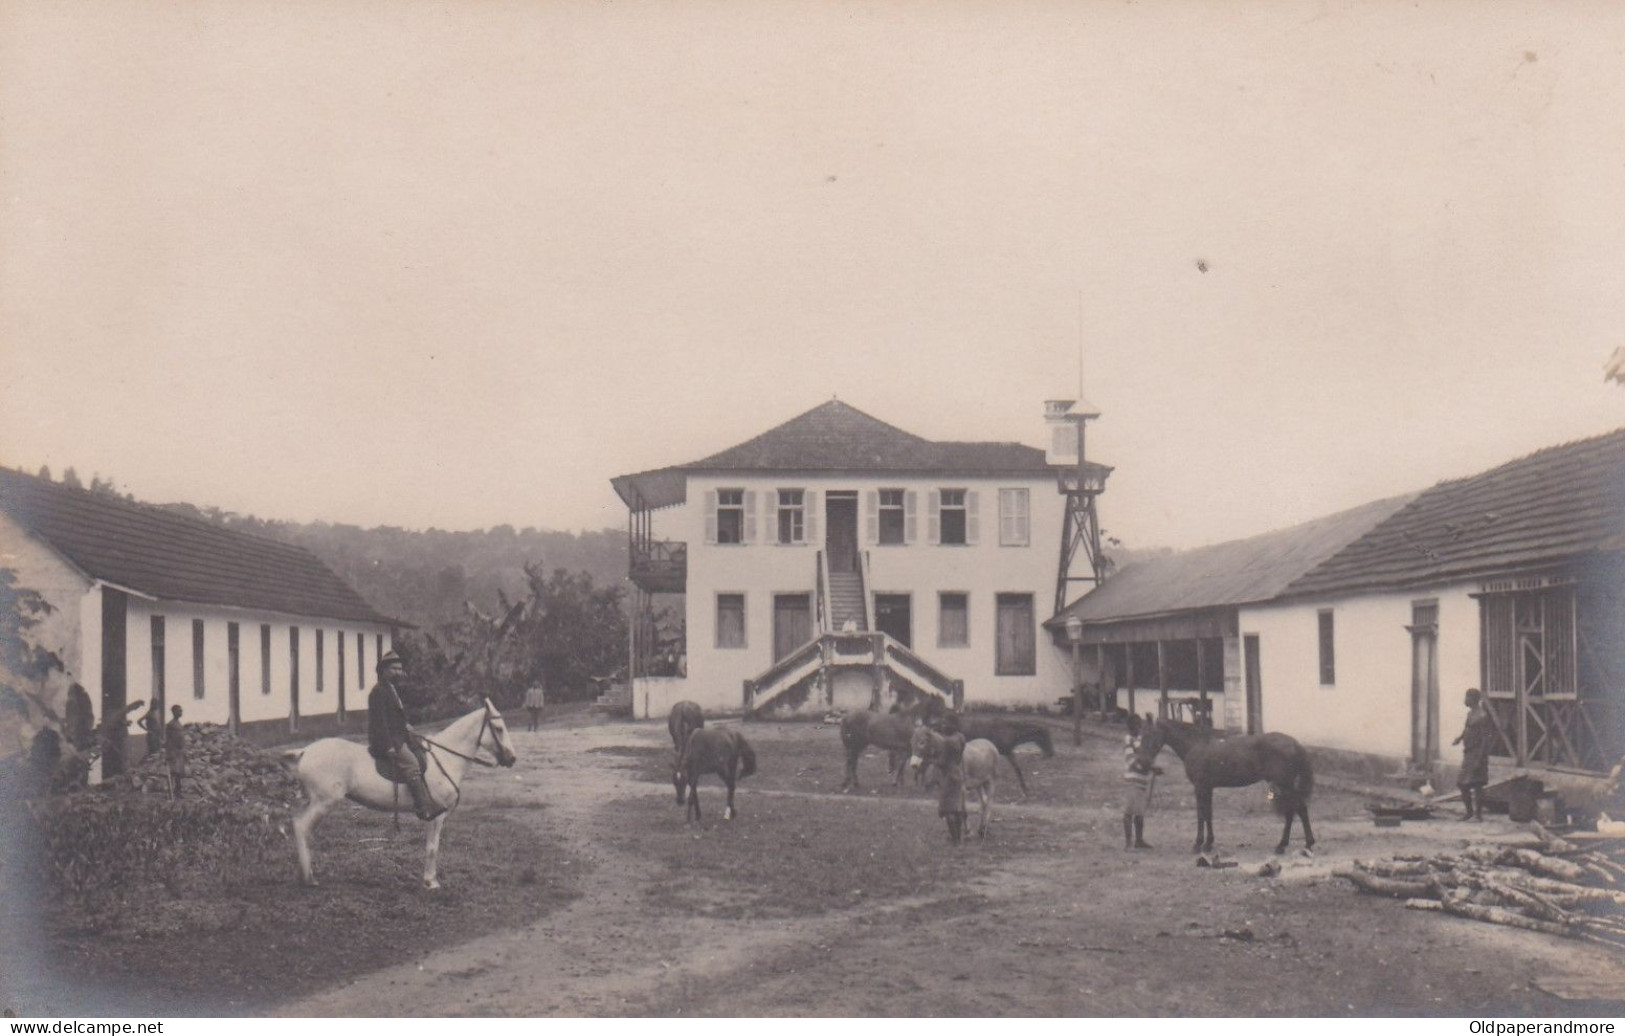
column 157, row 607
column 836, row 560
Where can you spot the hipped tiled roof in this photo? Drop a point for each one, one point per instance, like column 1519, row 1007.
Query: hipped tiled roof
column 1547, row 508
column 1227, row 574
column 176, row 558
column 837, row 437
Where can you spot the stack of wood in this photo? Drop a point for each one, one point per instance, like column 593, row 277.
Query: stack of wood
column 1553, row 886
column 219, row 766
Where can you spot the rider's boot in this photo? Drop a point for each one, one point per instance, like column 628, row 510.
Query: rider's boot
column 422, row 802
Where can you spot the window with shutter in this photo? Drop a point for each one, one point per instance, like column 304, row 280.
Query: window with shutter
column 1014, row 519
column 730, row 516
column 891, row 516
column 953, row 522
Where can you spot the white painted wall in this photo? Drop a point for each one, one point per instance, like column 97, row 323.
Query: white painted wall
column 43, row 570
column 1368, row 709
column 764, row 568
column 255, row 701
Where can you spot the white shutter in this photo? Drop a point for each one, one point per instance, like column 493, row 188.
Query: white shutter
column 711, row 516
column 750, row 516
column 871, row 516
column 809, row 522
column 971, row 522
column 1024, row 520
column 934, row 519
column 909, row 531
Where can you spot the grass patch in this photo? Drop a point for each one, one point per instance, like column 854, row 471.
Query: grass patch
column 258, row 937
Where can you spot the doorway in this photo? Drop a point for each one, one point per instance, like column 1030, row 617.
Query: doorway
column 893, row 617
column 1424, row 630
column 792, row 623
column 1255, row 685
column 841, row 530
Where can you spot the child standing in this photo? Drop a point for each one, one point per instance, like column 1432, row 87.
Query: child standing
column 1138, row 778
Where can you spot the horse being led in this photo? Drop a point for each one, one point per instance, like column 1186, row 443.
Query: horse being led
column 686, row 717
column 1005, row 733
column 963, row 767
column 1212, row 762
column 719, row 750
column 333, row 769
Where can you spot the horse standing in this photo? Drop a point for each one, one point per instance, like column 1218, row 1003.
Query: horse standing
column 890, row 731
column 964, row 766
column 1212, row 762
column 1006, row 734
column 333, row 769
column 719, row 750
column 686, row 717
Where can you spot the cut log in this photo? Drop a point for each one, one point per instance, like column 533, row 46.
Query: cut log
column 1500, row 916
column 1381, row 886
column 1396, row 868
column 1537, row 863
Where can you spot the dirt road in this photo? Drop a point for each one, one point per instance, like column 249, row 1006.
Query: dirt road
column 1048, row 917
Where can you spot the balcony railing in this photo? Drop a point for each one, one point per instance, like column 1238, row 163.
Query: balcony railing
column 660, row 566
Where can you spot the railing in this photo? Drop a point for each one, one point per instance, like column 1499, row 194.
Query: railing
column 660, row 566
column 922, row 672
column 1577, row 733
column 828, row 651
column 821, row 601
column 864, row 574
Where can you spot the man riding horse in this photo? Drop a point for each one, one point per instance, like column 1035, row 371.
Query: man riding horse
column 392, row 743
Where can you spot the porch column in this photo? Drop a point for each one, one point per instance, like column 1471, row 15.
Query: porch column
column 1128, row 667
column 1162, row 681
column 1100, row 675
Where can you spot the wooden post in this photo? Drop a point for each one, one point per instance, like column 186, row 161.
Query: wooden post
column 1201, row 684
column 877, row 646
column 1162, row 682
column 1128, row 666
column 1100, row 679
column 1077, row 696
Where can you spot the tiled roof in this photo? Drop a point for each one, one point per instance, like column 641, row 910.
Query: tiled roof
column 176, row 558
column 1227, row 574
column 1543, row 509
column 837, row 437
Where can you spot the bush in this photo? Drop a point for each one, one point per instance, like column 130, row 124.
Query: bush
column 89, row 851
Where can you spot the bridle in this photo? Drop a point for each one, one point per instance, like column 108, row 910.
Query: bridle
column 456, row 788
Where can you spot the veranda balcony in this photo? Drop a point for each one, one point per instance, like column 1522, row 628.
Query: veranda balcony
column 660, row 566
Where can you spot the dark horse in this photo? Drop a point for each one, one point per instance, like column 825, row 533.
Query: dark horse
column 684, row 720
column 719, row 750
column 889, row 730
column 1212, row 762
column 1004, row 731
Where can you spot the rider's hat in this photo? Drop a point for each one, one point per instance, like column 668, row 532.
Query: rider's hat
column 390, row 658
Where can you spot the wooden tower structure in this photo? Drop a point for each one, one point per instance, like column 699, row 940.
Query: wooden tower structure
column 1081, row 481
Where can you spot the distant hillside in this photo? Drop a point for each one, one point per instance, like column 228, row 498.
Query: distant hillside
column 426, row 577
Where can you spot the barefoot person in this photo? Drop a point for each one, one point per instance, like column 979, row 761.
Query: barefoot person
column 1475, row 739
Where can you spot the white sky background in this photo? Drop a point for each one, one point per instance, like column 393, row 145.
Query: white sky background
column 459, row 264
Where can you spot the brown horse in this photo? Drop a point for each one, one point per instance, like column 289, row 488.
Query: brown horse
column 719, row 750
column 964, row 767
column 686, row 717
column 889, row 730
column 1212, row 761
column 1005, row 732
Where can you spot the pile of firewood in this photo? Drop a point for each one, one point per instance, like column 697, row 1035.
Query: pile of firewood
column 218, row 766
column 1559, row 888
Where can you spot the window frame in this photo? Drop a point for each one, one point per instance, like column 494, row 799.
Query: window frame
column 733, row 509
column 899, row 510
column 199, row 651
column 1023, row 514
column 964, row 598
column 744, row 625
column 1326, row 637
column 962, row 509
column 795, row 513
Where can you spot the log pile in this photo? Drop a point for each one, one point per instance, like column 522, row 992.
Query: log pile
column 219, row 766
column 1559, row 888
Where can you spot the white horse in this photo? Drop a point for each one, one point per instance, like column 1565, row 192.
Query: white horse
column 333, row 768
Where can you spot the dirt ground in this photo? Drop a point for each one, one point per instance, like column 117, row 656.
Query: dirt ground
column 816, row 903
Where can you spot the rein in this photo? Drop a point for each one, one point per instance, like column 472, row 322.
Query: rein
column 456, row 788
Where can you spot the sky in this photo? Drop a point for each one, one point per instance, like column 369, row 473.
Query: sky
column 457, row 265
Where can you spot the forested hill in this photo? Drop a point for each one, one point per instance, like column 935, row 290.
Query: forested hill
column 425, row 577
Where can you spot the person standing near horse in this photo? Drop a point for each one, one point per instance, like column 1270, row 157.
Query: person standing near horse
column 535, row 701
column 391, row 742
column 175, row 751
column 1139, row 777
column 1475, row 739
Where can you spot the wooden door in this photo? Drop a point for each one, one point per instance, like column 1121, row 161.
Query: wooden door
column 893, row 616
column 792, row 623
column 1255, row 685
column 841, row 531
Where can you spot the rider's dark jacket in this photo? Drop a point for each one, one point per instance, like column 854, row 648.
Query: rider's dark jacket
column 386, row 720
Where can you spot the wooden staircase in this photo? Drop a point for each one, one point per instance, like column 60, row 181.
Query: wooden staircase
column 846, row 601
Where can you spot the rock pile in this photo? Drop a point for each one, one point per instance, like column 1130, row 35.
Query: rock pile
column 219, row 766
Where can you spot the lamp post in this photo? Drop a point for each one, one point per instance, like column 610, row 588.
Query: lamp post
column 1074, row 634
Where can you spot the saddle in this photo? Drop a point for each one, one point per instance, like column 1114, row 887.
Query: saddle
column 388, row 771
